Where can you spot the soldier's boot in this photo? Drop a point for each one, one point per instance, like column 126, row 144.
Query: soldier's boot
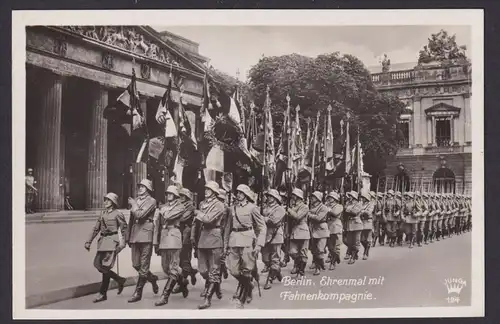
column 250, row 291
column 312, row 266
column 104, row 289
column 354, row 257
column 381, row 240
column 295, row 268
column 411, row 241
column 366, row 253
column 183, row 284
column 178, row 288
column 419, row 240
column 317, row 268
column 347, row 254
column 269, row 279
column 141, row 281
column 238, row 290
column 154, row 282
column 392, row 240
column 400, row 240
column 208, row 298
column 333, row 262
column 243, row 292
column 205, row 291
column 119, row 280
column 193, row 276
column 218, row 291
column 167, row 290
column 266, row 268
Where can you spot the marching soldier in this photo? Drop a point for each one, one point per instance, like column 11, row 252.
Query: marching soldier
column 422, row 231
column 318, row 216
column 439, row 213
column 352, row 213
column 390, row 212
column 244, row 237
column 223, row 268
column 367, row 219
column 379, row 222
column 274, row 215
column 334, row 227
column 411, row 215
column 186, row 221
column 286, row 230
column 141, row 237
column 469, row 213
column 210, row 242
column 400, row 224
column 446, row 216
column 431, row 218
column 300, row 235
column 109, row 244
column 167, row 242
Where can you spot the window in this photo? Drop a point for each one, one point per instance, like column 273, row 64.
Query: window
column 443, row 132
column 444, row 181
column 402, row 181
column 404, row 128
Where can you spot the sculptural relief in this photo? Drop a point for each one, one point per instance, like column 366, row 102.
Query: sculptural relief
column 127, row 38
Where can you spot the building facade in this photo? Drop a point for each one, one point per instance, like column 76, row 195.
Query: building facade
column 72, row 74
column 436, row 151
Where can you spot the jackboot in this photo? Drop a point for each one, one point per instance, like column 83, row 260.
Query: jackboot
column 267, row 285
column 243, row 292
column 193, row 276
column 317, row 270
column 381, row 240
column 177, row 289
column 169, row 286
column 119, row 280
column 266, row 269
column 208, row 298
column 183, row 284
column 302, row 269
column 366, row 253
column 353, row 258
column 295, row 269
column 104, row 289
column 333, row 262
column 154, row 282
column 141, row 281
column 218, row 292
column 205, row 291
column 249, row 291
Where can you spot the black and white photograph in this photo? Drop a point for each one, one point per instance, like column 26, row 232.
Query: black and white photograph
column 236, row 164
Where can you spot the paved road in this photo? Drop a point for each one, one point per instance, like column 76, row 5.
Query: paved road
column 401, row 277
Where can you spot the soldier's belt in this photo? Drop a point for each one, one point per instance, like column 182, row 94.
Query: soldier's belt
column 137, row 221
column 171, row 226
column 108, row 233
column 243, row 229
column 205, row 226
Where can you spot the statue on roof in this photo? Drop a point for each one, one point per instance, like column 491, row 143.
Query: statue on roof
column 386, row 64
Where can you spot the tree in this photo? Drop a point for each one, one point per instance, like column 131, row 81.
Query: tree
column 442, row 47
column 339, row 80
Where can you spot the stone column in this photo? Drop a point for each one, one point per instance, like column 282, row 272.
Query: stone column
column 467, row 119
column 97, row 175
column 429, row 131
column 139, row 170
column 433, row 131
column 48, row 166
column 417, row 117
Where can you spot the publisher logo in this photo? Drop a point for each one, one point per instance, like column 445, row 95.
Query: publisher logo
column 454, row 287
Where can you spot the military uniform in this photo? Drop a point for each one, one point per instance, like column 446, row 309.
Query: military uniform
column 439, row 218
column 354, row 225
column 400, row 223
column 186, row 222
column 318, row 217
column 391, row 214
column 210, row 242
column 141, row 239
column 423, row 226
column 110, row 224
column 274, row 214
column 432, row 217
column 299, row 235
column 334, row 227
column 411, row 214
column 245, row 229
column 167, row 240
column 367, row 219
column 379, row 222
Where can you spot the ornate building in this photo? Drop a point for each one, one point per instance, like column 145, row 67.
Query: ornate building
column 72, row 73
column 436, row 150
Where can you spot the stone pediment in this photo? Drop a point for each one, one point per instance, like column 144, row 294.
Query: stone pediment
column 137, row 40
column 442, row 109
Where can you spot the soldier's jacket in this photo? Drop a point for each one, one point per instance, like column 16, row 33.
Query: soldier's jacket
column 108, row 225
column 245, row 225
column 391, row 209
column 352, row 214
column 167, row 233
column 274, row 216
column 367, row 215
column 432, row 210
column 411, row 211
column 141, row 220
column 186, row 221
column 425, row 210
column 210, row 216
column 335, row 221
column 318, row 217
column 298, row 222
column 378, row 211
column 440, row 209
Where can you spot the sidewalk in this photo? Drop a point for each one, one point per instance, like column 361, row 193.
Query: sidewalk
column 58, row 267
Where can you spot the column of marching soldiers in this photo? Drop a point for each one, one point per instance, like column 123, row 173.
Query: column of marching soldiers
column 230, row 238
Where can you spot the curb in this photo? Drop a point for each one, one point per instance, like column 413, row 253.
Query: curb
column 66, row 217
column 55, row 296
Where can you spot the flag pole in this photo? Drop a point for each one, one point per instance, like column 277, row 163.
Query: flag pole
column 264, row 119
column 313, row 169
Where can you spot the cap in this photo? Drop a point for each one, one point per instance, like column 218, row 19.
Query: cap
column 173, row 190
column 353, row 194
column 212, row 185
column 113, row 197
column 146, row 183
column 246, row 191
column 298, row 193
column 275, row 194
column 334, row 195
column 318, row 195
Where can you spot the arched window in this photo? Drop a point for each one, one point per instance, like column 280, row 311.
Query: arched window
column 402, row 181
column 444, row 180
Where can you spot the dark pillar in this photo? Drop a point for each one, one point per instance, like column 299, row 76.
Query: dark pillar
column 97, row 175
column 48, row 165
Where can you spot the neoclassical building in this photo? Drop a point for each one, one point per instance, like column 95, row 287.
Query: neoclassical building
column 436, row 124
column 72, row 73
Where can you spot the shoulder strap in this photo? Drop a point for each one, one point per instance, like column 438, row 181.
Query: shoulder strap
column 237, row 218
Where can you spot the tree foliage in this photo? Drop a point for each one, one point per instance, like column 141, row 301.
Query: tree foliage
column 442, row 47
column 341, row 81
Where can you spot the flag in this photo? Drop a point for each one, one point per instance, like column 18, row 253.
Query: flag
column 297, row 145
column 271, row 155
column 127, row 110
column 282, row 159
column 328, row 144
column 164, row 109
column 348, row 162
